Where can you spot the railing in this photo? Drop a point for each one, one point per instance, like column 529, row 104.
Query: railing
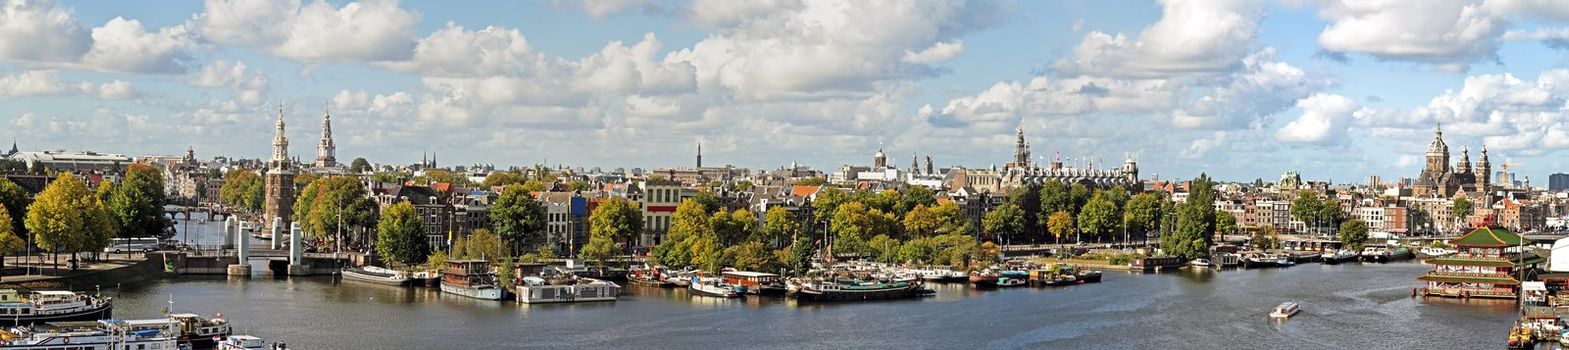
column 1469, row 274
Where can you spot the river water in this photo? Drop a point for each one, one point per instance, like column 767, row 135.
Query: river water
column 1351, row 306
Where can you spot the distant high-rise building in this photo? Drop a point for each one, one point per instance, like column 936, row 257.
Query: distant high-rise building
column 1558, row 182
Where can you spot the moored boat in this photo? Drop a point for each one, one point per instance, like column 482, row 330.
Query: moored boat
column 1089, row 276
column 1010, row 282
column 1201, row 262
column 1375, row 253
column 470, row 278
column 243, row 342
column 1259, row 260
column 18, row 308
column 942, row 275
column 536, row 291
column 758, row 283
column 375, row 274
column 851, row 290
column 983, row 280
column 713, row 287
column 98, row 335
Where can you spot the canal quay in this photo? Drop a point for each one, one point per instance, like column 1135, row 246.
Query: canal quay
column 1351, row 305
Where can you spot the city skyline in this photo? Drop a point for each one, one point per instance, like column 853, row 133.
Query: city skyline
column 1240, row 90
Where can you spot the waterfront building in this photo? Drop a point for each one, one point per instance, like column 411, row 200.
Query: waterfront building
column 279, row 179
column 1021, row 173
column 566, row 221
column 1484, row 266
column 659, row 201
column 1441, row 180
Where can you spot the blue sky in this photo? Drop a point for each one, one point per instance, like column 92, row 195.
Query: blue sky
column 1238, row 89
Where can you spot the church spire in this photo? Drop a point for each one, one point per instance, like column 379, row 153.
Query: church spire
column 326, row 149
column 280, row 144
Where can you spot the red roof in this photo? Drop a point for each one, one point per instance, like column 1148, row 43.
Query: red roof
column 804, row 191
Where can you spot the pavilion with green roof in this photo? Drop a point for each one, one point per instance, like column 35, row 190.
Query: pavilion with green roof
column 1484, row 266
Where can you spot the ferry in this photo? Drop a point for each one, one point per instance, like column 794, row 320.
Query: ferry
column 536, row 290
column 376, row 274
column 854, row 290
column 18, row 308
column 470, row 278
column 1285, row 310
column 713, row 287
column 79, row 335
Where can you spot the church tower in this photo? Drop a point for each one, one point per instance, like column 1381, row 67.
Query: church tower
column 1437, row 154
column 1464, row 166
column 1484, row 173
column 326, row 150
column 879, row 160
column 1021, row 151
column 280, row 177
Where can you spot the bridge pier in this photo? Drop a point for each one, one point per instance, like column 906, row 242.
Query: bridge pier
column 296, row 263
column 242, row 246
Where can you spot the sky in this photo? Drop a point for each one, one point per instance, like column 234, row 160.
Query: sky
column 1339, row 90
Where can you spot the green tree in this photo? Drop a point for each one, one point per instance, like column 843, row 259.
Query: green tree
column 799, row 256
column 883, row 248
column 921, row 221
column 503, row 178
column 342, row 204
column 579, row 186
column 1353, row 233
column 1054, row 198
column 599, row 248
column 359, row 165
column 827, row 202
column 303, row 202
column 1195, row 222
column 1225, row 223
column 68, row 218
column 688, row 222
column 518, row 218
column 1007, row 220
column 480, row 244
column 446, row 176
column 400, row 235
column 750, row 256
column 10, row 244
column 1265, row 238
column 1078, row 196
column 1060, row 224
column 1099, row 218
column 617, row 219
column 779, row 226
column 1141, row 215
column 1330, row 215
column 1461, row 209
column 1031, row 204
column 950, row 219
column 1307, row 207
column 137, row 204
column 707, row 254
column 242, row 189
column 709, row 200
column 15, row 200
column 809, row 181
column 734, row 227
column 1117, row 195
column 916, row 196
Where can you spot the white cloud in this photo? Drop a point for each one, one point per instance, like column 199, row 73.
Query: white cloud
column 1323, row 121
column 1451, row 34
column 725, row 13
column 1191, row 37
column 32, row 83
column 394, row 105
column 124, row 45
column 938, row 52
column 116, row 90
column 600, row 8
column 368, row 30
column 39, row 31
column 1262, row 88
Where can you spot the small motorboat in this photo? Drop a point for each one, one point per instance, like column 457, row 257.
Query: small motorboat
column 1285, row 310
column 713, row 287
column 1089, row 276
column 1201, row 262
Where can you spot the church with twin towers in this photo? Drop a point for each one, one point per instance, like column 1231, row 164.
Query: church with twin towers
column 281, row 169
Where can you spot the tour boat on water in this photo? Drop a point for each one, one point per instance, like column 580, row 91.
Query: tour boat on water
column 470, row 278
column 82, row 335
column 18, row 308
column 1285, row 310
column 377, row 275
column 713, row 287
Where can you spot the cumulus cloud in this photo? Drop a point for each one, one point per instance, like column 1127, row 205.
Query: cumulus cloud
column 1262, row 88
column 1452, row 33
column 49, row 82
column 603, row 8
column 938, row 52
column 1191, row 37
column 396, row 104
column 24, row 22
column 368, row 30
column 1323, row 121
column 125, row 45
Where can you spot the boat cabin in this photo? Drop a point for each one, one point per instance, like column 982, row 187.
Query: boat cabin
column 467, row 272
column 750, row 279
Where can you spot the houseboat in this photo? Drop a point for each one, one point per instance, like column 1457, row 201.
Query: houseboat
column 1339, row 256
column 854, row 290
column 942, row 275
column 758, row 283
column 655, row 276
column 984, row 279
column 470, row 278
column 81, row 335
column 1375, row 253
column 713, row 287
column 19, row 308
column 1089, row 276
column 198, row 332
column 376, row 275
column 1483, row 266
column 1054, row 275
column 1156, row 263
column 1285, row 310
column 1260, row 260
column 536, row 291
